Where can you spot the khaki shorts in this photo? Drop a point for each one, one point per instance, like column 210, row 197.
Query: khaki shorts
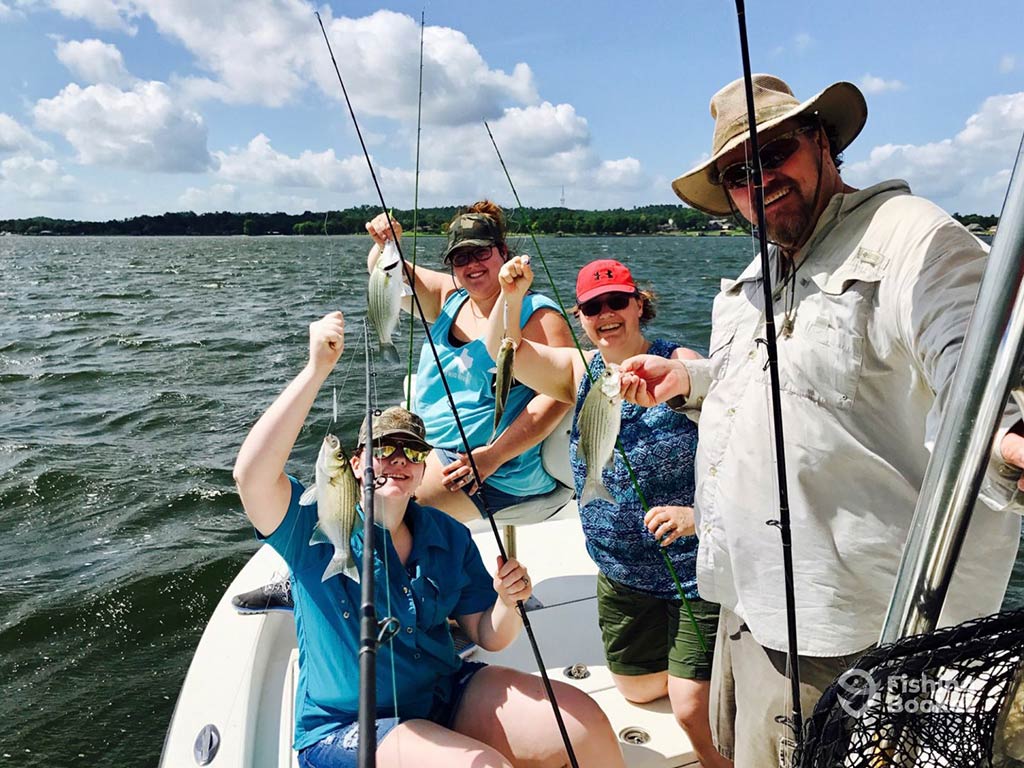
column 644, row 634
column 750, row 688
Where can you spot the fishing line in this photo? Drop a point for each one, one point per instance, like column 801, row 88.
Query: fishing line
column 593, row 382
column 458, row 422
column 415, row 215
column 540, row 254
column 344, row 371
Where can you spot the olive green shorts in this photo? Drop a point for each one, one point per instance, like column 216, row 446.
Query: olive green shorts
column 644, row 634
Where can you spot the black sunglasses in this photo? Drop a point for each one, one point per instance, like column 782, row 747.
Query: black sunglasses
column 773, row 154
column 616, row 301
column 463, row 256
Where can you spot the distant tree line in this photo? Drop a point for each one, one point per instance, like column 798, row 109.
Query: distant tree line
column 641, row 220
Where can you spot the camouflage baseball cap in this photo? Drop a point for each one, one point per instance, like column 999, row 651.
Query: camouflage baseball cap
column 472, row 229
column 398, row 422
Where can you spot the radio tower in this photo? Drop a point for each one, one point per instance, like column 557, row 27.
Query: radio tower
column 561, row 200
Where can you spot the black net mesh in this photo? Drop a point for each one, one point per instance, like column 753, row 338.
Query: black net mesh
column 948, row 698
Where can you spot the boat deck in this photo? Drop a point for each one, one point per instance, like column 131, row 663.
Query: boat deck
column 242, row 678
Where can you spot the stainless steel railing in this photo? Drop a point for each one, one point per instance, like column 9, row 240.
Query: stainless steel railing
column 989, row 367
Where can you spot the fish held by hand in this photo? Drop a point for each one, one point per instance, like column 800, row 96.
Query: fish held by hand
column 336, row 493
column 598, row 425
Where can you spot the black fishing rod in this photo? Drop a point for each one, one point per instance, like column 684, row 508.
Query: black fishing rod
column 451, row 402
column 368, row 627
column 783, row 523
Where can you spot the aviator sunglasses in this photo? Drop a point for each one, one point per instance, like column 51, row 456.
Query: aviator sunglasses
column 385, row 451
column 463, row 256
column 773, row 155
column 616, row 302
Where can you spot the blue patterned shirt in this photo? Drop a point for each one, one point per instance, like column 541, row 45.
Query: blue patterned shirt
column 661, row 446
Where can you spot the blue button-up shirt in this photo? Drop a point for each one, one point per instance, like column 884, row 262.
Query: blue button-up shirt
column 443, row 576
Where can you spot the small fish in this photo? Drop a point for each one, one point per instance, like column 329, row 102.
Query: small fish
column 336, row 493
column 599, row 428
column 384, row 297
column 502, row 380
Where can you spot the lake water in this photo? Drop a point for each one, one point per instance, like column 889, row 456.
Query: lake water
column 130, row 371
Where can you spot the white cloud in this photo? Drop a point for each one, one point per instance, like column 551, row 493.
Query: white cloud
column 1007, row 63
column 621, row 174
column 22, row 176
column 544, row 146
column 803, row 41
column 105, row 14
column 218, row 197
column 142, row 128
column 259, row 163
column 94, row 61
column 871, row 84
column 5, row 11
column 16, row 138
column 274, row 50
column 380, row 54
column 968, row 172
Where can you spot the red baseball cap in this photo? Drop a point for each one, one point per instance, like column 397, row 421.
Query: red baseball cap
column 603, row 276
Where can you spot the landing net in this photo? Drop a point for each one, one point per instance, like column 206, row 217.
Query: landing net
column 949, row 698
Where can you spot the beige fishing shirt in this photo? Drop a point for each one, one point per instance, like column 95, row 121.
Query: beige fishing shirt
column 879, row 306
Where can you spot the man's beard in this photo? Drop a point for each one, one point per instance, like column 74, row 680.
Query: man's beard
column 790, row 229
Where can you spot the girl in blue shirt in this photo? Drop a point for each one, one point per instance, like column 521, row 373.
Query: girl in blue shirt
column 444, row 711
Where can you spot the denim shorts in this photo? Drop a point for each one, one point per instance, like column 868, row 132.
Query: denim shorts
column 494, row 499
column 340, row 748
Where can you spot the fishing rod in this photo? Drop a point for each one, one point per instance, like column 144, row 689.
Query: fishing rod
column 783, row 523
column 451, row 402
column 590, row 374
column 415, row 211
column 368, row 627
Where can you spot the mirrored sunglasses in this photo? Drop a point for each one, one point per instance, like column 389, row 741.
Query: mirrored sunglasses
column 464, row 256
column 773, row 155
column 616, row 302
column 386, row 450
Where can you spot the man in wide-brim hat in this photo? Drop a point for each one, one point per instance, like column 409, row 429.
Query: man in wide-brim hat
column 873, row 289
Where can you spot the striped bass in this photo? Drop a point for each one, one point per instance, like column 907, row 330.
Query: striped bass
column 502, row 380
column 598, row 426
column 336, row 493
column 384, row 297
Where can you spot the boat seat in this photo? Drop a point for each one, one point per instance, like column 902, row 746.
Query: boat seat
column 288, row 757
column 554, row 456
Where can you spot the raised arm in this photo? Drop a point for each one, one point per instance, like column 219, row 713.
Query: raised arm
column 431, row 287
column 259, row 469
column 551, row 370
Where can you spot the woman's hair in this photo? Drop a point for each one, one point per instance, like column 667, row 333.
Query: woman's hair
column 647, row 310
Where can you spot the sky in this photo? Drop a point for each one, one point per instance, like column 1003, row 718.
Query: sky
column 116, row 108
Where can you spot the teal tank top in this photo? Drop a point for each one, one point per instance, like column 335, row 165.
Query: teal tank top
column 470, row 373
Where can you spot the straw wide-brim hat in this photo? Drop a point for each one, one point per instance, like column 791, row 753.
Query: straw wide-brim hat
column 841, row 107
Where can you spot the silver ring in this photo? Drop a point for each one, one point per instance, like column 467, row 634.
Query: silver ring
column 526, row 580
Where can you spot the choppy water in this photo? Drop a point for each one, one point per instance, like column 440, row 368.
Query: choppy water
column 130, row 370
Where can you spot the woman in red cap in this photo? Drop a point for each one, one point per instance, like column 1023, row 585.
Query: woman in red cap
column 457, row 303
column 651, row 645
